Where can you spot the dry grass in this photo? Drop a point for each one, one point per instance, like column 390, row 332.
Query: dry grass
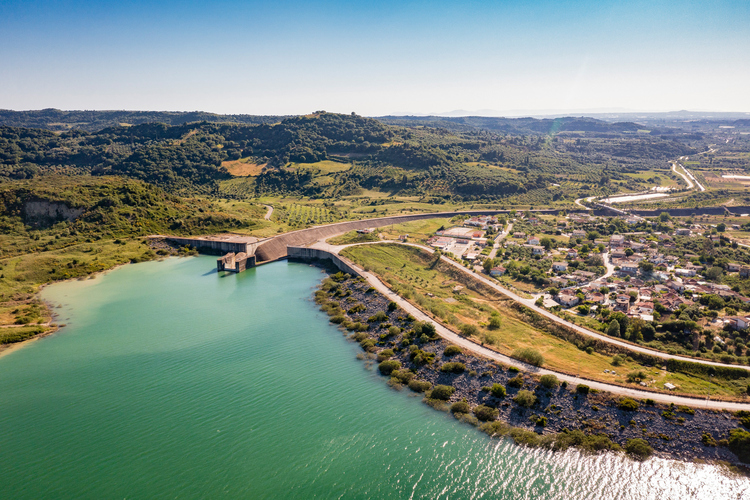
column 243, row 167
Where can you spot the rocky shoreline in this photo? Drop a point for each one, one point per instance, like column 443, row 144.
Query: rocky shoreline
column 532, row 413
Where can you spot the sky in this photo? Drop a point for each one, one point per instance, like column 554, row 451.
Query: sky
column 376, row 57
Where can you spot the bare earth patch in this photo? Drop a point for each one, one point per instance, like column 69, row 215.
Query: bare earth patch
column 243, row 168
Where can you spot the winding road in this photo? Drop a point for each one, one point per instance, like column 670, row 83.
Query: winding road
column 490, row 354
column 269, row 212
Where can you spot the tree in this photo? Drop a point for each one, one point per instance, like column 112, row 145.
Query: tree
column 664, row 217
column 554, row 292
column 613, row 330
column 645, row 266
column 546, row 243
column 714, row 273
column 721, row 227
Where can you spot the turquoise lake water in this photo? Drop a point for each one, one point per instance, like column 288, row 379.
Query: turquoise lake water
column 172, row 381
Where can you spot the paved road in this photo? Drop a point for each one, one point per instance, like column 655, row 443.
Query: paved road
column 531, row 305
column 608, row 264
column 578, row 202
column 490, row 354
column 689, row 183
column 499, row 239
column 269, row 212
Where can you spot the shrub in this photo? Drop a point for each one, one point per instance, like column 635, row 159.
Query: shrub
column 638, row 449
column 402, row 376
column 357, row 308
column 443, row 392
column 468, row 330
column 548, row 381
column 637, row 376
column 338, row 319
column 419, row 385
column 485, row 413
column 420, row 357
column 541, row 421
column 452, row 350
column 394, row 330
column 495, row 322
column 367, row 344
column 530, row 356
column 739, row 444
column 627, row 404
column 497, row 390
column 513, row 369
column 387, row 367
column 392, row 306
column 582, row 389
column 460, row 407
column 744, row 417
column 385, row 354
column 380, row 316
column 525, row 398
column 453, row 367
column 708, row 440
column 618, row 359
column 516, row 381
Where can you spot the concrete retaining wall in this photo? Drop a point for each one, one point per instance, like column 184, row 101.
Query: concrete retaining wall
column 216, row 247
column 304, row 253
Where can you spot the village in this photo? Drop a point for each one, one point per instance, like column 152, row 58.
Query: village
column 684, row 284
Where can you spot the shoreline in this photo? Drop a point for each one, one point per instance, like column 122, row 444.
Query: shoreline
column 6, row 349
column 678, row 433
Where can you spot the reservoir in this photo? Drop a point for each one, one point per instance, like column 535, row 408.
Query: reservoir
column 173, row 381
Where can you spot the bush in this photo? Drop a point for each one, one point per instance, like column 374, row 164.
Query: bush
column 338, row 319
column 548, row 381
column 394, row 330
column 468, row 330
column 378, row 317
column 495, row 322
column 419, row 385
column 582, row 389
column 453, row 367
column 368, row 345
column 497, row 390
column 485, row 413
column 452, row 350
column 516, row 381
column 387, row 367
column 402, row 376
column 638, row 449
column 525, row 398
column 530, row 356
column 637, row 376
column 385, row 354
column 627, row 404
column 442, row 392
column 392, row 306
column 739, row 444
column 618, row 359
column 460, row 407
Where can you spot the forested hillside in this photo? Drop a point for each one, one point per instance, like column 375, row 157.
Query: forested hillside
column 289, row 157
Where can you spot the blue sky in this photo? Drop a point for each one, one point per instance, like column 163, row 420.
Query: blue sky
column 376, row 57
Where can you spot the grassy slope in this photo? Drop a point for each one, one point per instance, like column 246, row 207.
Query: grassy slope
column 412, row 274
column 117, row 213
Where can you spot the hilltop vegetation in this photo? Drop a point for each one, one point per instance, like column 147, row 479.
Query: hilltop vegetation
column 294, row 157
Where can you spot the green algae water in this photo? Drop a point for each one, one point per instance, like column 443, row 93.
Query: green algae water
column 172, row 381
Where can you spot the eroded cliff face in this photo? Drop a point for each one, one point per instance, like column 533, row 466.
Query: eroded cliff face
column 43, row 213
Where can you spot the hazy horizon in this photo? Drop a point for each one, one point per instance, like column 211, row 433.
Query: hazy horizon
column 377, row 58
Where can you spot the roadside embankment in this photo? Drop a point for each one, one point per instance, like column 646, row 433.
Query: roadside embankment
column 515, row 399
